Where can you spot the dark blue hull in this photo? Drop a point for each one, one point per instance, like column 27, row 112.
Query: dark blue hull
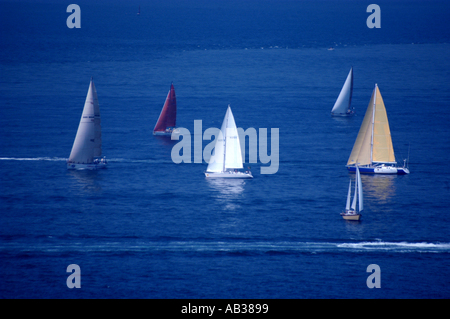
column 378, row 170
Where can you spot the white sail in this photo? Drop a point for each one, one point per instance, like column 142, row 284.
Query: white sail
column 356, row 191
column 343, row 102
column 360, row 192
column 217, row 158
column 227, row 150
column 97, row 123
column 350, row 212
column 87, row 144
column 347, row 206
column 233, row 154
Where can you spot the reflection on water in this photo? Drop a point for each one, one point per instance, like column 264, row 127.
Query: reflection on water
column 227, row 191
column 85, row 180
column 378, row 191
column 380, row 187
column 343, row 120
column 165, row 140
column 355, row 229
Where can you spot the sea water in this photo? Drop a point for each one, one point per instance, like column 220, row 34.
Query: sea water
column 149, row 228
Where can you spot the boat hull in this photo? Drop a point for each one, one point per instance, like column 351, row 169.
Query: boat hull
column 167, row 133
column 229, row 175
column 387, row 170
column 351, row 216
column 162, row 133
column 342, row 114
column 90, row 166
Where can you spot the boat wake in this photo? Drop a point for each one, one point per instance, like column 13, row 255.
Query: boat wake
column 149, row 161
column 228, row 247
column 53, row 159
column 61, row 159
column 398, row 246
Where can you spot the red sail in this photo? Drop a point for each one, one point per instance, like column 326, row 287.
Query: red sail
column 168, row 116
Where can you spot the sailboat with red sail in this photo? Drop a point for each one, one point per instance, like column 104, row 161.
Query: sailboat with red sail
column 167, row 119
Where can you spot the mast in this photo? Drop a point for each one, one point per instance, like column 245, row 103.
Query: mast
column 225, row 140
column 356, row 190
column 373, row 122
column 360, row 193
column 97, row 123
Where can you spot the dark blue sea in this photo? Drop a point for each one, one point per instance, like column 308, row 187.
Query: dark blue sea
column 149, row 228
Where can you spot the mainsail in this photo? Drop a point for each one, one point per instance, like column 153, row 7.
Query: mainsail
column 360, row 191
column 347, row 206
column 88, row 141
column 97, row 124
column 168, row 115
column 227, row 150
column 344, row 100
column 373, row 143
column 356, row 192
column 358, row 197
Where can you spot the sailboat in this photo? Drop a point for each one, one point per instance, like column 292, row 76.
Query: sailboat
column 227, row 157
column 87, row 148
column 167, row 119
column 139, row 12
column 350, row 211
column 373, row 151
column 342, row 106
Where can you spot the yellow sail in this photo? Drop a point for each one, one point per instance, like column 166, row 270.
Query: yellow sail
column 383, row 151
column 361, row 152
column 373, row 143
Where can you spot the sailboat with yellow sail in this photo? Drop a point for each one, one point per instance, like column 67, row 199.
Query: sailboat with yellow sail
column 373, row 151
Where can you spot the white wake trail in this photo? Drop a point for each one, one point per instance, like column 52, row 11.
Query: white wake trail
column 54, row 159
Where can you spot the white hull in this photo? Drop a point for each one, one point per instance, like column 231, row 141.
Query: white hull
column 383, row 169
column 90, row 166
column 162, row 133
column 175, row 132
column 229, row 174
column 343, row 114
column 166, row 133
